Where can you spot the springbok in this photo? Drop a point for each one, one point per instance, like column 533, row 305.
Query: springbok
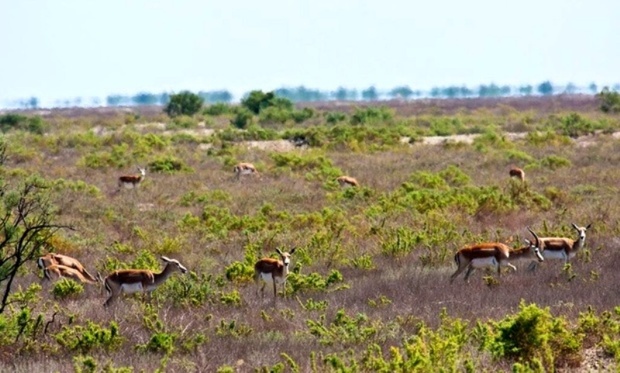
column 518, row 173
column 57, row 271
column 271, row 270
column 494, row 255
column 561, row 248
column 139, row 280
column 132, row 181
column 245, row 169
column 347, row 181
column 50, row 259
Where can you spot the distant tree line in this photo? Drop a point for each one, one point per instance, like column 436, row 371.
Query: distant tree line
column 304, row 94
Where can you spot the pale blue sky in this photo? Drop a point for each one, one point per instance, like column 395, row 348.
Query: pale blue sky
column 55, row 49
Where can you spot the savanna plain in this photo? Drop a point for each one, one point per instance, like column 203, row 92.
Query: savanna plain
column 369, row 285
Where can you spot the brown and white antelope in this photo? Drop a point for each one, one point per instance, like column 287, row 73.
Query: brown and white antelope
column 347, row 181
column 518, row 173
column 132, row 181
column 245, row 169
column 273, row 271
column 494, row 255
column 57, row 271
column 560, row 248
column 139, row 280
column 51, row 259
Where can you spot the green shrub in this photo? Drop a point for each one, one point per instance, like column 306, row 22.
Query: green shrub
column 168, row 164
column 65, row 288
column 217, row 109
column 371, row 115
column 533, row 334
column 184, row 103
column 609, row 100
column 242, row 119
column 34, row 124
column 335, row 117
column 85, row 339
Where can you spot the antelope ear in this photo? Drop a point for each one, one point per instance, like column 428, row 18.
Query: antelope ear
column 589, row 225
column 278, row 251
column 528, row 241
column 165, row 259
column 292, row 251
column 575, row 226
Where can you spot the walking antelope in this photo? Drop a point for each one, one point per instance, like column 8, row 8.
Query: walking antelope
column 66, row 261
column 561, row 248
column 139, row 280
column 132, row 181
column 57, row 271
column 271, row 270
column 245, row 169
column 494, row 255
column 347, row 181
column 518, row 173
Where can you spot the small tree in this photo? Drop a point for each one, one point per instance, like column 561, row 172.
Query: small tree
column 609, row 101
column 25, row 224
column 184, row 103
column 545, row 88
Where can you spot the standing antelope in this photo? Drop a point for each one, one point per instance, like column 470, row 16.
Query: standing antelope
column 492, row 254
column 50, row 259
column 518, row 173
column 139, row 280
column 560, row 247
column 57, row 271
column 132, row 181
column 273, row 270
column 347, row 181
column 245, row 169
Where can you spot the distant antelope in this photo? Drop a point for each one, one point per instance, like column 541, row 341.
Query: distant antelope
column 50, row 259
column 347, row 181
column 57, row 271
column 560, row 248
column 494, row 255
column 271, row 270
column 132, row 181
column 518, row 173
column 139, row 280
column 245, row 169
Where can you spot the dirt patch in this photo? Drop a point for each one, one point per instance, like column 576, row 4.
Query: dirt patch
column 274, row 146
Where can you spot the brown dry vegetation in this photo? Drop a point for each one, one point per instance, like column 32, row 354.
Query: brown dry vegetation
column 179, row 214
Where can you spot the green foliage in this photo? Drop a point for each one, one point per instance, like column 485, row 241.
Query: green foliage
column 242, row 119
column 371, row 115
column 313, row 281
column 256, row 101
column 90, row 337
column 168, row 164
column 67, row 288
column 160, row 342
column 239, row 272
column 217, row 109
column 533, row 334
column 554, row 162
column 334, row 117
column 34, row 124
column 184, row 103
column 574, row 125
column 609, row 101
column 182, row 122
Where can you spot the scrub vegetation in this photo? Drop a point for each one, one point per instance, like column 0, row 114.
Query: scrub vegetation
column 368, row 288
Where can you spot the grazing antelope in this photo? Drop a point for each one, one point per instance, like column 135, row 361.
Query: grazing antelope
column 57, row 271
column 50, row 259
column 561, row 248
column 347, row 181
column 518, row 173
column 492, row 254
column 273, row 270
column 245, row 169
column 139, row 280
column 132, row 181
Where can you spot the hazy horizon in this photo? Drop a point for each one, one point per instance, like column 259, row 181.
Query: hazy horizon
column 63, row 50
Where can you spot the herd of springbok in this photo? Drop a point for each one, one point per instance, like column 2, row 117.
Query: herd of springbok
column 273, row 272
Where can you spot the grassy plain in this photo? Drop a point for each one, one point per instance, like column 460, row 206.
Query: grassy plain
column 370, row 285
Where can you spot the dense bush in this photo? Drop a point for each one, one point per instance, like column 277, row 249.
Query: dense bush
column 183, row 103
